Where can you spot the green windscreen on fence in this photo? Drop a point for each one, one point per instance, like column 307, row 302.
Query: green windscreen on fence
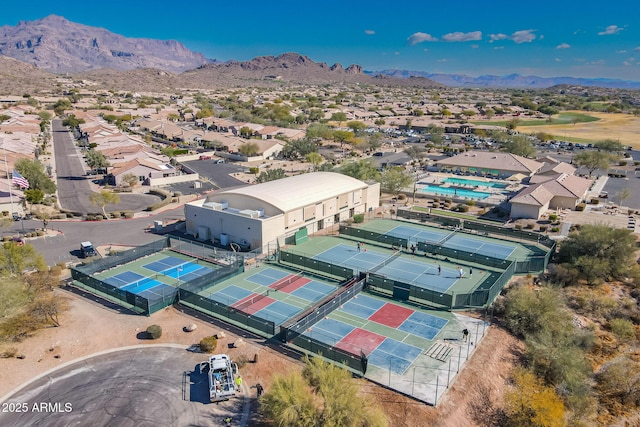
column 301, row 236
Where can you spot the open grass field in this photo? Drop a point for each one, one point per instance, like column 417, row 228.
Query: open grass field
column 618, row 126
column 566, row 117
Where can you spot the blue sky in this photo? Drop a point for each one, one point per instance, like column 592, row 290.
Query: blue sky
column 544, row 38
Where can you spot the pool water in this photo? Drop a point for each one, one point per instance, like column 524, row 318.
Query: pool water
column 475, row 182
column 458, row 192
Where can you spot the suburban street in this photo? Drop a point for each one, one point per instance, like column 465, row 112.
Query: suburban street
column 74, row 186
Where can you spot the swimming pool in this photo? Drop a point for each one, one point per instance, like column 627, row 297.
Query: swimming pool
column 457, row 192
column 475, row 182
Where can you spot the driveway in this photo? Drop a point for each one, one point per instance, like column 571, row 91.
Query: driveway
column 73, row 184
column 150, row 386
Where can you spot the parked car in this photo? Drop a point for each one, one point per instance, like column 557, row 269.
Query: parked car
column 87, row 250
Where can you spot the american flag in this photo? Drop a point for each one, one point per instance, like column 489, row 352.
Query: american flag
column 19, row 180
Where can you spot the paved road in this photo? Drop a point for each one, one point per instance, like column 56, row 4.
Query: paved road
column 65, row 246
column 153, row 386
column 73, row 186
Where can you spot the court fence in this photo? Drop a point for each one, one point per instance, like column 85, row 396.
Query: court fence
column 291, row 333
column 372, row 236
column 227, row 313
column 123, row 257
column 153, row 299
column 317, row 265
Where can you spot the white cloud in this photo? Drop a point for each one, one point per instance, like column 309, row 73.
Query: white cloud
column 442, row 60
column 598, row 62
column 638, row 48
column 369, row 32
column 462, row 37
column 627, row 63
column 419, row 37
column 498, row 48
column 523, row 36
column 622, row 51
column 496, row 37
column 474, row 46
column 558, row 60
column 563, row 46
column 611, row 29
column 396, row 53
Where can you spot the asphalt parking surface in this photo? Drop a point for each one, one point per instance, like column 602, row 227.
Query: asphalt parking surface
column 151, row 386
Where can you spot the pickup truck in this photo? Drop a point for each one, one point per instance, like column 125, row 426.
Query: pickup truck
column 222, row 374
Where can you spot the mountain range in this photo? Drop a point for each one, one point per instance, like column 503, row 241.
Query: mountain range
column 58, row 46
column 508, row 81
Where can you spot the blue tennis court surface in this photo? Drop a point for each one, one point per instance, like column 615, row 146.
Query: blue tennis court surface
column 363, row 307
column 123, row 279
column 459, row 242
column 230, row 295
column 329, row 331
column 178, row 269
column 421, row 274
column 313, row 291
column 278, row 312
column 423, row 325
column 394, row 355
column 267, row 276
column 141, row 286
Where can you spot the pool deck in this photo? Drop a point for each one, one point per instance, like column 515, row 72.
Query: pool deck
column 498, row 195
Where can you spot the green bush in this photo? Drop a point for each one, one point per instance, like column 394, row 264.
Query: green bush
column 128, row 214
column 555, row 229
column 461, row 208
column 470, row 203
column 553, row 217
column 595, row 201
column 448, row 201
column 518, row 227
column 208, row 344
column 581, row 207
column 358, row 218
column 90, row 218
column 154, row 332
column 254, row 170
column 530, row 226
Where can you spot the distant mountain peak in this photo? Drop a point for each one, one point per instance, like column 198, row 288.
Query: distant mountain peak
column 508, row 81
column 58, row 45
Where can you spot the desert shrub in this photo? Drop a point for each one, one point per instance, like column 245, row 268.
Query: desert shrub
column 555, row 229
column 461, row 208
column 530, row 226
column 208, row 344
column 127, row 214
column 543, row 228
column 518, row 226
column 618, row 384
column 553, row 217
column 448, row 200
column 39, row 233
column 99, row 217
column 402, row 196
column 623, row 329
column 9, row 353
column 595, row 201
column 154, row 332
column 241, row 360
column 470, row 203
column 358, row 218
column 90, row 217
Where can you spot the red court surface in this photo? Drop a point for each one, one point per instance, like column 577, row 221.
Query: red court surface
column 391, row 315
column 360, row 340
column 297, row 283
column 258, row 305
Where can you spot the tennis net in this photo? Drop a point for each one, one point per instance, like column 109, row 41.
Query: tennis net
column 286, row 281
column 249, row 302
column 386, row 262
column 447, row 237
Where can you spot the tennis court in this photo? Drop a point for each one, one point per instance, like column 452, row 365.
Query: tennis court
column 392, row 335
column 270, row 293
column 418, row 271
column 156, row 273
column 454, row 240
